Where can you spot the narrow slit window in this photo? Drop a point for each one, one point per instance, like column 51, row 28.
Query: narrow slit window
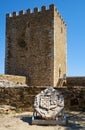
column 61, row 30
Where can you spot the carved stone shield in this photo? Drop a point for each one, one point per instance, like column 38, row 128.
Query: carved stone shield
column 49, row 103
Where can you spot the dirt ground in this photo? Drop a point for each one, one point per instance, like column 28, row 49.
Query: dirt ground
column 22, row 121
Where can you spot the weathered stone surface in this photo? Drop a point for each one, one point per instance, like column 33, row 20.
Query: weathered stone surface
column 49, row 103
column 6, row 109
column 7, row 83
column 13, row 78
column 36, row 46
column 23, row 97
column 75, row 81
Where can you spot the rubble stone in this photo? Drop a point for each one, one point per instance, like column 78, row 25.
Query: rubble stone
column 6, row 109
column 7, row 83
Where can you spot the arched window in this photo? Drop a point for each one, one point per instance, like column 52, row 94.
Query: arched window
column 60, row 72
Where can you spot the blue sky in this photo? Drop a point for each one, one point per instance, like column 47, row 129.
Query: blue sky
column 73, row 13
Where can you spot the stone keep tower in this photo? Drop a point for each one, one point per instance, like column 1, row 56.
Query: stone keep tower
column 36, row 46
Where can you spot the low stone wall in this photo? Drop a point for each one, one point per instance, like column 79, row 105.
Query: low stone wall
column 23, row 97
column 77, row 81
column 14, row 78
column 20, row 97
column 74, row 98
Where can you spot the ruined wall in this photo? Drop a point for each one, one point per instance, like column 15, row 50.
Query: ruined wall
column 75, row 81
column 23, row 97
column 14, row 79
column 30, row 46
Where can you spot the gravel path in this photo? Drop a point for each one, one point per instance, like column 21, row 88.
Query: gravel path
column 76, row 121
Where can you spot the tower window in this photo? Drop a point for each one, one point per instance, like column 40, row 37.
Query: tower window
column 61, row 30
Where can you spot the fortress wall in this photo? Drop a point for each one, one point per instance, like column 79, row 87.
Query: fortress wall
column 23, row 97
column 14, row 78
column 35, row 46
column 60, row 55
column 77, row 81
column 29, row 45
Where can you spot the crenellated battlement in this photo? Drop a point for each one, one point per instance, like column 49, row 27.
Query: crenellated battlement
column 21, row 12
column 33, row 45
column 60, row 16
column 14, row 14
column 43, row 8
column 29, row 11
column 35, row 11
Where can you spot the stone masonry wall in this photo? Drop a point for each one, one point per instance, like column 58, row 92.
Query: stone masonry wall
column 60, row 55
column 75, row 81
column 13, row 78
column 30, row 46
column 23, row 97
